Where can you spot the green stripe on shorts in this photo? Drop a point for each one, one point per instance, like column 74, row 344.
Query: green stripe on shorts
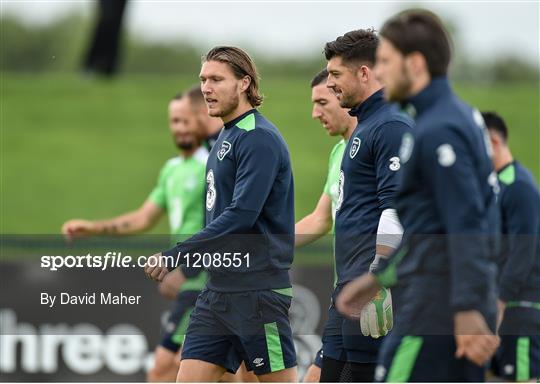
column 404, row 359
column 273, row 345
column 523, row 366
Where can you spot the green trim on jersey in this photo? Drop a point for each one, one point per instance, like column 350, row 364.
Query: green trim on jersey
column 404, row 359
column 508, row 176
column 247, row 123
column 273, row 345
column 180, row 191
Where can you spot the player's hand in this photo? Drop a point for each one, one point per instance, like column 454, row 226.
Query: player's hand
column 377, row 317
column 156, row 267
column 474, row 340
column 78, row 228
column 356, row 294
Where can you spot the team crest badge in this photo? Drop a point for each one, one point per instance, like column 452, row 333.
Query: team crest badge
column 355, row 146
column 407, row 144
column 225, row 148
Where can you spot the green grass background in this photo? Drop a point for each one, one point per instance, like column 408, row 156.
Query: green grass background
column 75, row 147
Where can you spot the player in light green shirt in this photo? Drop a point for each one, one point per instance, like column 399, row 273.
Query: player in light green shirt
column 180, row 189
column 180, row 192
column 337, row 122
column 320, row 222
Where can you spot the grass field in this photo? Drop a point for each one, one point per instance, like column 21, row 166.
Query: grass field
column 87, row 148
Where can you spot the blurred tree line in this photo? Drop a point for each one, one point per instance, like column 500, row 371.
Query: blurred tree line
column 60, row 46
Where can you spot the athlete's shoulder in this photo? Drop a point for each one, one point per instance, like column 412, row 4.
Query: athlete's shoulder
column 338, row 148
column 201, row 155
column 523, row 174
column 172, row 163
column 518, row 183
column 257, row 129
column 395, row 114
column 391, row 118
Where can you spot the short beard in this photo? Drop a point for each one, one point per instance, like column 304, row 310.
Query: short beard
column 231, row 105
column 402, row 90
column 347, row 102
column 185, row 146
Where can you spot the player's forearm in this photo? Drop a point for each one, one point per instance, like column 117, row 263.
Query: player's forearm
column 128, row 223
column 310, row 229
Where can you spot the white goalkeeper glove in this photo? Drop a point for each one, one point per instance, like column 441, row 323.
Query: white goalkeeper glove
column 376, row 318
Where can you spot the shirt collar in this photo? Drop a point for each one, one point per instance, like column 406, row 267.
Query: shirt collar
column 512, row 163
column 429, row 95
column 368, row 106
column 233, row 122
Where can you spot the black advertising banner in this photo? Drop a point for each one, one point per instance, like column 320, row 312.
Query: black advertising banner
column 69, row 323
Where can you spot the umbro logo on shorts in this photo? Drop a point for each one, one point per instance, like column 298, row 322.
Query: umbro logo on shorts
column 259, row 361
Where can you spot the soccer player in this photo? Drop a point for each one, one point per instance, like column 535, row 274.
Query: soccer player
column 180, row 193
column 443, row 329
column 337, row 122
column 242, row 315
column 518, row 357
column 365, row 211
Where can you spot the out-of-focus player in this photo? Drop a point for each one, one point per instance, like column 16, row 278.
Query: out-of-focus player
column 444, row 272
column 337, row 122
column 518, row 357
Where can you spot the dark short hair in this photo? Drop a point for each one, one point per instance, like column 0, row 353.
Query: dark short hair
column 319, row 78
column 195, row 96
column 354, row 47
column 418, row 30
column 241, row 65
column 178, row 96
column 494, row 122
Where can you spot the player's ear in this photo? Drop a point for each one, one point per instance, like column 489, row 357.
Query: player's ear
column 416, row 63
column 495, row 138
column 364, row 73
column 245, row 83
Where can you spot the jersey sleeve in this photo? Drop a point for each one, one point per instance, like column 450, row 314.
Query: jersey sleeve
column 386, row 144
column 519, row 203
column 328, row 181
column 450, row 173
column 257, row 165
column 158, row 195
